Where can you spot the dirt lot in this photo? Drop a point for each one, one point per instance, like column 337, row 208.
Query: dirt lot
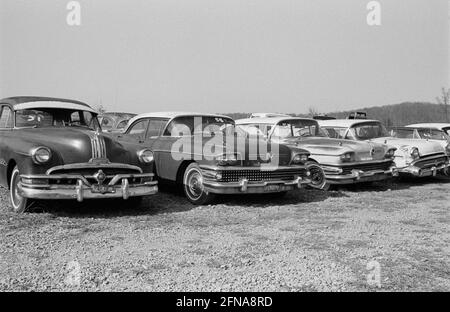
column 309, row 241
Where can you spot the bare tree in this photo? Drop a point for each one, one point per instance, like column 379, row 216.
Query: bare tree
column 444, row 101
column 312, row 111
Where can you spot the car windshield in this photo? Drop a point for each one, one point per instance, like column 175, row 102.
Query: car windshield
column 368, row 131
column 206, row 125
column 106, row 123
column 51, row 117
column 122, row 124
column 405, row 133
column 296, row 128
column 433, row 134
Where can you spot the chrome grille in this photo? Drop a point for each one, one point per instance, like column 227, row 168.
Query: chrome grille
column 367, row 167
column 261, row 175
column 428, row 163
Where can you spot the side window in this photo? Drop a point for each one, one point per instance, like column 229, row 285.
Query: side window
column 6, row 117
column 155, row 127
column 182, row 126
column 139, row 128
column 75, row 118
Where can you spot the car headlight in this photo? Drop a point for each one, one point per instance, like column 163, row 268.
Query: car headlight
column 146, row 156
column 41, row 155
column 348, row 157
column 415, row 153
column 390, row 153
column 227, row 160
column 299, row 158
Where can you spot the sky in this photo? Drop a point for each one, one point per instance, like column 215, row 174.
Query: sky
column 226, row 55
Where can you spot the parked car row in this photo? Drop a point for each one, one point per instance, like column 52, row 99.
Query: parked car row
column 54, row 148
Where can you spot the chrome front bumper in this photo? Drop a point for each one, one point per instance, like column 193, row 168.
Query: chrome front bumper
column 244, row 185
column 118, row 187
column 424, row 172
column 358, row 176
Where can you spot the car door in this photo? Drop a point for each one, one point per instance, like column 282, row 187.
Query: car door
column 165, row 137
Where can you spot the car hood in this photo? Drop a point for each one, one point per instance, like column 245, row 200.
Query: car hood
column 425, row 147
column 76, row 145
column 337, row 147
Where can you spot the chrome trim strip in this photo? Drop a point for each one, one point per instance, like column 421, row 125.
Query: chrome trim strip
column 93, row 166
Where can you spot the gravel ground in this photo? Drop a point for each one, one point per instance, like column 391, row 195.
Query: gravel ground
column 308, row 241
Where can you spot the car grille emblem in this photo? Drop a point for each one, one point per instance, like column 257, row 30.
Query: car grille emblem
column 100, row 176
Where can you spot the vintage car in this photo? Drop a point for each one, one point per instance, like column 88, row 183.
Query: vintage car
column 208, row 155
column 445, row 127
column 414, row 157
column 114, row 122
column 343, row 161
column 425, row 133
column 52, row 149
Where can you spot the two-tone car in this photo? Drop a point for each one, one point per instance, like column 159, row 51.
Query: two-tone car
column 208, row 155
column 53, row 148
column 343, row 161
column 439, row 132
column 416, row 157
column 114, row 122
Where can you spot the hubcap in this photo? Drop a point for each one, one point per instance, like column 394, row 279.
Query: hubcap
column 16, row 199
column 194, row 184
column 317, row 176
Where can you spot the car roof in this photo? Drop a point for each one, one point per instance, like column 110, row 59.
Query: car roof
column 119, row 114
column 268, row 115
column 433, row 125
column 269, row 120
column 344, row 122
column 171, row 115
column 29, row 102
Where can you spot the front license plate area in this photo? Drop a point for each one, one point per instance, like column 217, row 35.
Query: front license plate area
column 272, row 188
column 102, row 189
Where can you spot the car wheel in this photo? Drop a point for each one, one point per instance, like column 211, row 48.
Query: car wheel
column 193, row 186
column 317, row 177
column 19, row 203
